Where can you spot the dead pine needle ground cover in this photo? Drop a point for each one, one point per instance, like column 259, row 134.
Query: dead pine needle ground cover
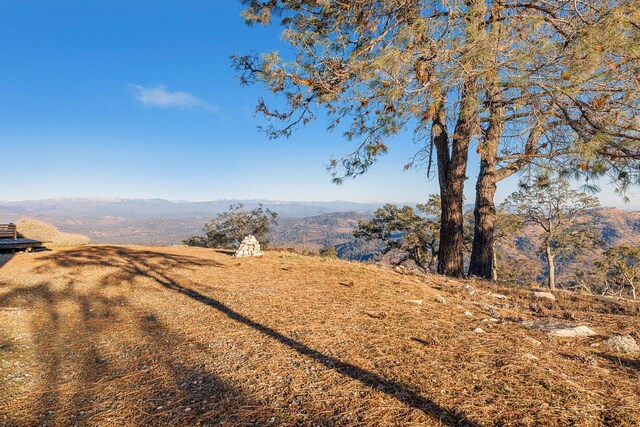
column 132, row 336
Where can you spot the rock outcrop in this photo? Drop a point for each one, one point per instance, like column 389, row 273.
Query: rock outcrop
column 544, row 295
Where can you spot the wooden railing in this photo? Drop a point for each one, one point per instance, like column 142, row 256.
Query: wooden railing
column 8, row 231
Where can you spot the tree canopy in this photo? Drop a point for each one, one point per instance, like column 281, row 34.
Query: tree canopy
column 620, row 270
column 415, row 230
column 554, row 207
column 545, row 84
column 229, row 228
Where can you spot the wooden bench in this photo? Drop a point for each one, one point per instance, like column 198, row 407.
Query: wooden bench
column 8, row 231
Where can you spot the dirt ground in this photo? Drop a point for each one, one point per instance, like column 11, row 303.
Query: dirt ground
column 137, row 336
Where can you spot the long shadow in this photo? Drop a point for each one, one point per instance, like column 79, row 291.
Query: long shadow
column 5, row 257
column 631, row 364
column 370, row 379
column 120, row 257
column 151, row 264
column 159, row 394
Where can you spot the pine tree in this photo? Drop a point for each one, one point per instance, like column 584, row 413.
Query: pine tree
column 554, row 207
column 548, row 84
column 228, row 229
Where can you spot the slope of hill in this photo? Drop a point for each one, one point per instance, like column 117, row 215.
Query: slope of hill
column 317, row 232
column 113, row 335
column 613, row 226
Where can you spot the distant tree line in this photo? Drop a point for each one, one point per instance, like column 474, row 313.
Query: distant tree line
column 551, row 206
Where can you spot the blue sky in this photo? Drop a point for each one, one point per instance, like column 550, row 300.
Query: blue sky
column 137, row 99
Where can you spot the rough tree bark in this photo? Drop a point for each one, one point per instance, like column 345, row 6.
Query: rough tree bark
column 452, row 166
column 482, row 252
column 481, row 264
column 450, row 257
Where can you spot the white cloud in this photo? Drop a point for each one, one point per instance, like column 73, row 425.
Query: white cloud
column 161, row 97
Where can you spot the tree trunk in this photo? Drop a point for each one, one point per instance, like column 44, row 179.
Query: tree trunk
column 453, row 157
column 452, row 168
column 434, row 255
column 482, row 255
column 482, row 250
column 450, row 256
column 633, row 287
column 552, row 267
column 494, row 265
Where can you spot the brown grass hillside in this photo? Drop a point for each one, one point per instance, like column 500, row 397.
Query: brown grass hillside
column 133, row 336
column 38, row 230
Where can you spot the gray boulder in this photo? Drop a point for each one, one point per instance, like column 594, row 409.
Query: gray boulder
column 394, row 257
column 563, row 330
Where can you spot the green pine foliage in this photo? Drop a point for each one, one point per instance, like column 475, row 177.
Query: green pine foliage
column 229, row 228
column 415, row 230
column 554, row 207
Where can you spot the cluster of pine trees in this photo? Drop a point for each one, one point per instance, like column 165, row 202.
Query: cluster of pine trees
column 533, row 87
column 553, row 209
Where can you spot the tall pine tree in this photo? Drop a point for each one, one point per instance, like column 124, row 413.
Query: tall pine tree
column 529, row 83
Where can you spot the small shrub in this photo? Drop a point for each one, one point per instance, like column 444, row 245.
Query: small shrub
column 329, row 252
column 38, row 230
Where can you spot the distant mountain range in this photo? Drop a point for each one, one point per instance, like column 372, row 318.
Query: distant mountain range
column 130, row 208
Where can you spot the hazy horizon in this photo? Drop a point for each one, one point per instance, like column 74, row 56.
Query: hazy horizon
column 628, row 207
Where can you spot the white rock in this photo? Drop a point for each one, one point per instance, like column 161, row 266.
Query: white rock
column 622, row 344
column 478, row 331
column 440, row 299
column 468, row 314
column 561, row 329
column 500, row 296
column 578, row 331
column 530, row 356
column 415, row 301
column 546, row 295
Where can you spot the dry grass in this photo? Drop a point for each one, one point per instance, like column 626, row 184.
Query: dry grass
column 119, row 336
column 38, row 230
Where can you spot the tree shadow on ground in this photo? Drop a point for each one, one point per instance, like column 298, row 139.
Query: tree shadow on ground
column 5, row 257
column 157, row 266
column 137, row 379
column 631, row 364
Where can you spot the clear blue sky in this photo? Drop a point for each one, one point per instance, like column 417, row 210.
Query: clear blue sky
column 137, row 99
